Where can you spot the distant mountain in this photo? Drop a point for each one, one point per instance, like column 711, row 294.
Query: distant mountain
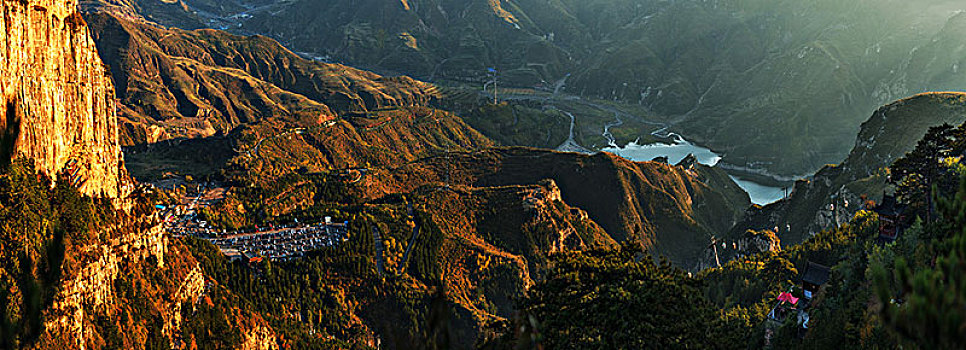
column 779, row 87
column 175, row 83
column 891, row 132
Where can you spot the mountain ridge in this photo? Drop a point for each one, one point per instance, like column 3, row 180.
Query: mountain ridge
column 757, row 86
column 888, row 134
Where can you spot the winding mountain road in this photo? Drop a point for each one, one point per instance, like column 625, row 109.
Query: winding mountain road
column 557, row 98
column 377, row 242
column 412, row 241
column 611, row 140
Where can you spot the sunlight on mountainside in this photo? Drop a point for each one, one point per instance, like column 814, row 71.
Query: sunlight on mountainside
column 482, row 174
column 497, row 7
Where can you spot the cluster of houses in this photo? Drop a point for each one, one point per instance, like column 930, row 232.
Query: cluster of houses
column 283, row 244
column 274, row 242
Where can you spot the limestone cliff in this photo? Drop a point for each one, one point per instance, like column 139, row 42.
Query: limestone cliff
column 59, row 110
column 92, row 289
column 57, row 96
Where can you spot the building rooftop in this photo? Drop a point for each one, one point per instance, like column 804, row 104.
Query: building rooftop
column 890, row 207
column 816, row 274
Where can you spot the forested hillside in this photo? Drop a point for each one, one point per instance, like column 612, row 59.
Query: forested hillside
column 880, row 293
column 280, row 201
column 839, row 191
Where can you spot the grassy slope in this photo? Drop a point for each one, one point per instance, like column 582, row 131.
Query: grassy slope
column 197, row 83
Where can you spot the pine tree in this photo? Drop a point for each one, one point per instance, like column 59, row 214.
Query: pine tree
column 918, row 172
column 930, row 309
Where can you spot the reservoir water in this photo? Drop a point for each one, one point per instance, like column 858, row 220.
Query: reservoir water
column 760, row 194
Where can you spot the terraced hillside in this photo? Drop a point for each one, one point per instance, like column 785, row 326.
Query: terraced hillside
column 299, row 139
column 379, row 139
column 671, row 210
column 217, row 99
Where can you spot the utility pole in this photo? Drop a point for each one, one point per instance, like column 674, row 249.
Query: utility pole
column 714, row 246
column 496, row 89
column 493, row 72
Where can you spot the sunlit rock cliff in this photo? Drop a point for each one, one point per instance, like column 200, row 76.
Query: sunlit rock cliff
column 57, row 96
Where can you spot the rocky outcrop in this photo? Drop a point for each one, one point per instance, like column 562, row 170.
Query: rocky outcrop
column 92, row 288
column 190, row 290
column 756, row 242
column 666, row 208
column 259, row 338
column 544, row 200
column 57, row 96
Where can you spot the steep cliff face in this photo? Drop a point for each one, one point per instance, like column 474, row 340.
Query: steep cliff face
column 498, row 236
column 92, row 289
column 98, row 266
column 57, row 96
column 892, row 131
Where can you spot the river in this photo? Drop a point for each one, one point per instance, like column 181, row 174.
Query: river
column 760, row 194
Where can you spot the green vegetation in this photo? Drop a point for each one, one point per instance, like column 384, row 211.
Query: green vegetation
column 517, row 124
column 907, row 293
column 892, row 131
column 202, row 158
column 780, row 85
column 41, row 230
column 303, row 300
column 490, row 226
column 930, row 169
column 48, row 235
column 619, row 299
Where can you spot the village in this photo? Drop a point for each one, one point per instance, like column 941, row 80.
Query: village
column 275, row 242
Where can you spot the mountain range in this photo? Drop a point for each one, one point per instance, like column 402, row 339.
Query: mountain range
column 128, row 144
column 779, row 88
